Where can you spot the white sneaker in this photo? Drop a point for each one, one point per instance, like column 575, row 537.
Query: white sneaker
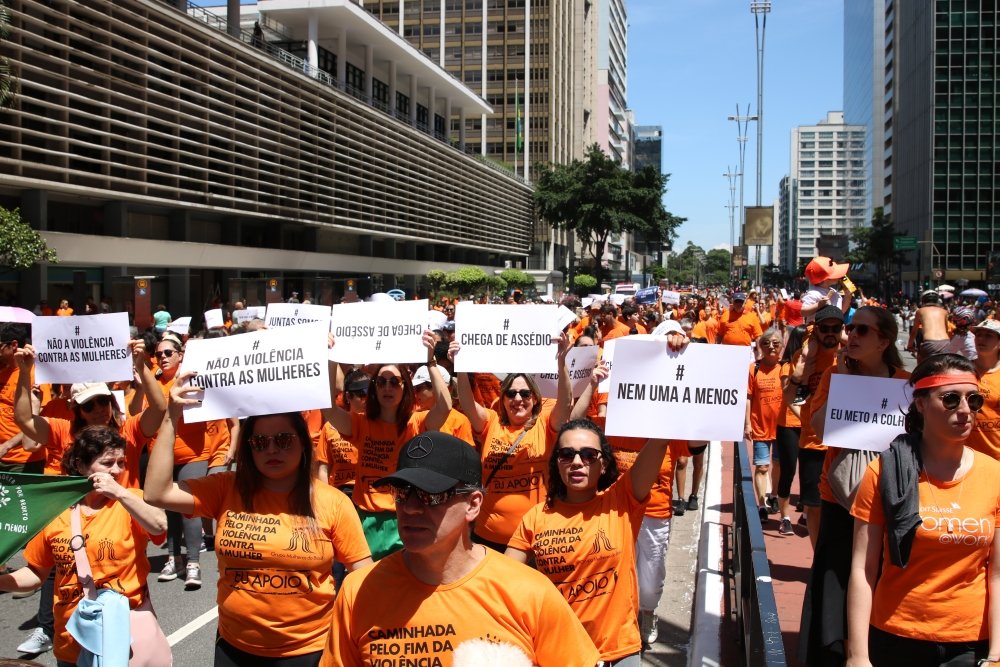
column 37, row 642
column 648, row 627
column 192, row 580
column 169, row 571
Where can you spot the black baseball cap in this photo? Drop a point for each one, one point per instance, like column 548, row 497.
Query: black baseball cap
column 829, row 313
column 435, row 462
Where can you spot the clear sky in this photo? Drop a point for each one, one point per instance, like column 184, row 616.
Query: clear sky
column 691, row 61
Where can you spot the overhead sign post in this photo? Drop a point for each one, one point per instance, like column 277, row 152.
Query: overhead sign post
column 901, row 243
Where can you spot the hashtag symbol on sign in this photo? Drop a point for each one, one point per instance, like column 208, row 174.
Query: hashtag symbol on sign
column 680, row 373
column 885, row 402
column 256, row 344
column 76, row 330
column 378, row 345
column 506, row 324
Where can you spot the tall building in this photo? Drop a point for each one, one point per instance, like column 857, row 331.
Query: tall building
column 827, row 168
column 944, row 177
column 613, row 131
column 647, row 151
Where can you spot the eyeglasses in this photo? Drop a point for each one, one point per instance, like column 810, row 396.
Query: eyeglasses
column 260, row 442
column 771, row 343
column 830, row 328
column 164, row 354
column 393, row 382
column 862, row 329
column 525, row 394
column 952, row 399
column 357, row 393
column 88, row 407
column 588, row 455
column 401, row 493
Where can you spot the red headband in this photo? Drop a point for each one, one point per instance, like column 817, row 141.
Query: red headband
column 939, row 380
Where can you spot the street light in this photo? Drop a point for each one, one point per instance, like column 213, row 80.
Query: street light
column 742, row 123
column 732, row 176
column 760, row 9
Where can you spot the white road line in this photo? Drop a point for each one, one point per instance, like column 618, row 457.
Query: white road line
column 184, row 631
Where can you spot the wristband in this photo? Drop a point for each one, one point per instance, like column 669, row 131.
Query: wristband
column 987, row 661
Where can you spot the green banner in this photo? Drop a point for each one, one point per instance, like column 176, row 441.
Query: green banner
column 904, row 243
column 28, row 503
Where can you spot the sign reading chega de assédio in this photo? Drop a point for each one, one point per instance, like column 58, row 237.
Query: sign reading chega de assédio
column 506, row 338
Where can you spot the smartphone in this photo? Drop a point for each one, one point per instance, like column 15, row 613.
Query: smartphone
column 849, row 285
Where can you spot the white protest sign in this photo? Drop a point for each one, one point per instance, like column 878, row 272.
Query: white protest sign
column 671, row 298
column 580, row 362
column 213, row 318
column 182, row 325
column 292, row 314
column 242, row 316
column 564, row 318
column 379, row 332
column 784, row 294
column 258, row 311
column 82, row 348
column 865, row 412
column 506, row 338
column 263, row 372
column 697, row 394
column 607, row 360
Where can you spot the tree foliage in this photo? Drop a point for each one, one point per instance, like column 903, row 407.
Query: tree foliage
column 21, row 247
column 694, row 266
column 467, row 280
column 875, row 245
column 657, row 272
column 516, row 278
column 584, row 283
column 8, row 83
column 597, row 197
column 436, row 279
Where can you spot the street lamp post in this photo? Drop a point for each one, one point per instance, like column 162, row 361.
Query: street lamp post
column 732, row 176
column 760, row 9
column 742, row 123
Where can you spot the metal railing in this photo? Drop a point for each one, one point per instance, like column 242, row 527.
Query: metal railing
column 758, row 628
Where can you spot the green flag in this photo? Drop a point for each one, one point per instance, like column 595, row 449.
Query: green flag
column 28, row 503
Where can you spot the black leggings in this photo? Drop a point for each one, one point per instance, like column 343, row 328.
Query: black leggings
column 886, row 649
column 786, row 447
column 227, row 655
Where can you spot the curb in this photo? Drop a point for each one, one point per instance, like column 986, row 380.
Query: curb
column 710, row 589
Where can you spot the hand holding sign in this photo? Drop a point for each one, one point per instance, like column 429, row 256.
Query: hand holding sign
column 84, row 348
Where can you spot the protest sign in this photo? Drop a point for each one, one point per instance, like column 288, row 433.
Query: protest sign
column 242, row 316
column 259, row 373
column 82, row 348
column 646, row 295
column 784, row 294
column 13, row 314
column 564, row 318
column 213, row 319
column 607, row 360
column 671, row 298
column 506, row 339
column 379, row 332
column 865, row 412
column 697, row 394
column 580, row 362
column 292, row 314
column 180, row 326
column 28, row 503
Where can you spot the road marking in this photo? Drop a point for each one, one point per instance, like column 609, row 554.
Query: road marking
column 182, row 633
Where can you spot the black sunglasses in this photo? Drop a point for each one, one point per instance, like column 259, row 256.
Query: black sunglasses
column 357, row 393
column 164, row 354
column 862, row 329
column 525, row 394
column 952, row 399
column 394, row 382
column 830, row 328
column 88, row 407
column 260, row 442
column 588, row 454
column 401, row 493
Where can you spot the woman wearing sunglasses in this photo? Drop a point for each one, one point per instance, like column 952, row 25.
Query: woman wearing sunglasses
column 870, row 351
column 927, row 510
column 583, row 537
column 388, row 422
column 515, row 442
column 279, row 533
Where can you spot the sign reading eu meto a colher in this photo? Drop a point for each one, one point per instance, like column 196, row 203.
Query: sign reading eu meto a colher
column 259, row 373
column 697, row 394
column 506, row 339
column 84, row 348
column 380, row 332
column 865, row 412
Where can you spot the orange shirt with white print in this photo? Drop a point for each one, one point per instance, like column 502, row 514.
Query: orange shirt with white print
column 339, row 454
column 519, row 482
column 825, row 360
column 985, row 437
column 61, row 437
column 786, row 417
column 626, row 450
column 455, row 424
column 383, row 610
column 588, row 551
column 941, row 595
column 276, row 587
column 766, row 404
column 197, row 441
column 378, row 444
column 116, row 549
column 9, row 429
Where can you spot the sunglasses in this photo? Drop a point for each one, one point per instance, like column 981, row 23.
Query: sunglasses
column 862, row 329
column 952, row 399
column 393, row 382
column 88, row 407
column 525, row 394
column 164, row 354
column 357, row 393
column 830, row 328
column 401, row 493
column 771, row 343
column 260, row 442
column 588, row 455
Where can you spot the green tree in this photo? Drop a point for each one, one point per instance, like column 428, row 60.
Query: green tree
column 597, row 197
column 517, row 279
column 21, row 247
column 875, row 245
column 584, row 283
column 436, row 279
column 8, row 83
column 467, row 280
column 657, row 272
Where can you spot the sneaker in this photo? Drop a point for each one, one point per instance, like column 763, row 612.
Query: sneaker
column 772, row 505
column 169, row 571
column 679, row 508
column 762, row 512
column 37, row 642
column 648, row 627
column 207, row 543
column 785, row 528
column 692, row 502
column 192, row 580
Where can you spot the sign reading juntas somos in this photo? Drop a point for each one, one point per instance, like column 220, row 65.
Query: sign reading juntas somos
column 506, row 339
column 82, row 348
column 865, row 412
column 580, row 362
column 258, row 373
column 292, row 314
column 697, row 394
column 379, row 332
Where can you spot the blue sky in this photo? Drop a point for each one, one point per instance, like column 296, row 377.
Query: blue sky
column 691, row 61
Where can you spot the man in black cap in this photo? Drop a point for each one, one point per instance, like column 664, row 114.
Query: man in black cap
column 442, row 590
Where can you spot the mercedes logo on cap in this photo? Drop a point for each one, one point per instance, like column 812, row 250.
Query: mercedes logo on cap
column 420, row 447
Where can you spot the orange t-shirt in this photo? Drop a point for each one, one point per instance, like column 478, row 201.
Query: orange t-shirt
column 378, row 446
column 764, row 394
column 740, row 330
column 941, row 595
column 116, row 549
column 8, row 428
column 220, row 448
column 700, row 330
column 985, row 437
column 383, row 610
column 314, row 422
column 275, row 571
column 825, row 360
column 340, row 455
column 712, row 330
column 485, row 388
column 519, row 484
column 455, row 424
column 60, row 438
column 615, row 330
column 64, row 312
column 588, row 551
column 786, row 417
column 196, row 442
column 58, row 408
column 625, row 450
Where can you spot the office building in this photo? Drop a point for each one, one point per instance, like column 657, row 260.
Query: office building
column 647, row 151
column 150, row 140
column 785, row 214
